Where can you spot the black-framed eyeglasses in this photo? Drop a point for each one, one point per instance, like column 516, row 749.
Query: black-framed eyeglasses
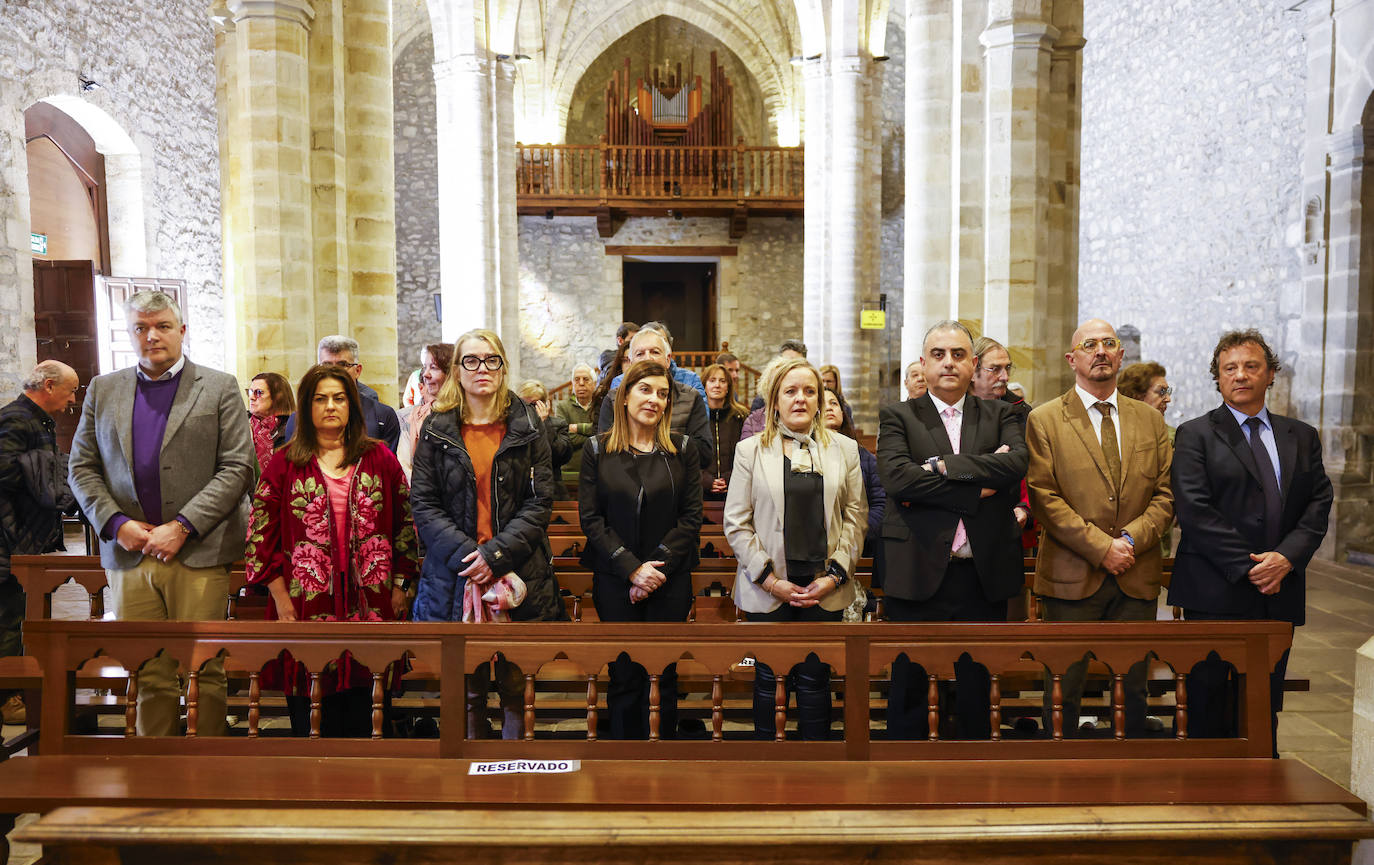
column 255, row 392
column 1110, row 343
column 342, row 364
column 472, row 362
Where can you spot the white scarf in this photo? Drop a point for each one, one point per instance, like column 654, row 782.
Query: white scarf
column 806, row 457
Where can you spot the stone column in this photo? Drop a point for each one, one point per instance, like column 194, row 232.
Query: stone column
column 849, row 190
column 329, row 173
column 1065, row 120
column 931, row 181
column 370, row 199
column 507, row 227
column 1362, row 740
column 1017, row 40
column 1347, row 410
column 816, row 232
column 469, row 242
column 268, row 243
column 969, row 165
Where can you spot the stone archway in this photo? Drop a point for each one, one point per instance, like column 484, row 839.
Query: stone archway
column 764, row 50
column 123, row 182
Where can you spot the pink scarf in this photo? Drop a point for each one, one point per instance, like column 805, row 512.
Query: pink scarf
column 491, row 604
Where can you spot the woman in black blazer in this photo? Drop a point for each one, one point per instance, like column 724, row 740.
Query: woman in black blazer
column 639, row 499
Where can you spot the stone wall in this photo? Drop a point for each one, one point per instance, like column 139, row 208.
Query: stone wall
column 417, row 202
column 154, row 62
column 674, row 40
column 571, row 291
column 570, row 296
column 1191, row 179
column 892, row 110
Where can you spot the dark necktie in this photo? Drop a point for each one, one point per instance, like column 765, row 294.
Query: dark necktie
column 1273, row 506
column 1110, row 449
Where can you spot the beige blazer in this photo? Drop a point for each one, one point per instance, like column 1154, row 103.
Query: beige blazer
column 753, row 517
column 1082, row 510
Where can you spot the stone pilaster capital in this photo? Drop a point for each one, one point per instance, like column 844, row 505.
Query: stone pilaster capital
column 220, row 15
column 849, row 64
column 1069, row 41
column 461, row 64
column 1019, row 33
column 814, row 69
column 1346, row 150
column 300, row 12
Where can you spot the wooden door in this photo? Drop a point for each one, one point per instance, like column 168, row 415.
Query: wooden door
column 116, row 351
column 64, row 324
column 681, row 294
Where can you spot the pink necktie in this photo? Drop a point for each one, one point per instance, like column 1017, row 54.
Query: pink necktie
column 952, row 428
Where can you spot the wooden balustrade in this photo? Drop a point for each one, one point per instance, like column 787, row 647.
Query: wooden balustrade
column 611, row 173
column 713, row 659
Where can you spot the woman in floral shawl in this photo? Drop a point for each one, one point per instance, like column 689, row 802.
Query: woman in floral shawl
column 332, row 539
column 331, row 534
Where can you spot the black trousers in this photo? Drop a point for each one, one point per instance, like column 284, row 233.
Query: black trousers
column 1214, row 692
column 810, row 680
column 627, row 695
column 960, row 598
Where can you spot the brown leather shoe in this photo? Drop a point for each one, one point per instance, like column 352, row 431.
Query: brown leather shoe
column 13, row 712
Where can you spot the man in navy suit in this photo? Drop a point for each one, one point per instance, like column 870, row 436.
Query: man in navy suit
column 378, row 418
column 1252, row 501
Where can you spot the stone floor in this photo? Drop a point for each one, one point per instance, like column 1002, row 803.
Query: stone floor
column 1315, row 726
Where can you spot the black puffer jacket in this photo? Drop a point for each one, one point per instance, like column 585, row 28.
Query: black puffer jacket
column 443, row 496
column 31, row 496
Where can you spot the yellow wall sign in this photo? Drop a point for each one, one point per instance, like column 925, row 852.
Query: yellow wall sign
column 872, row 319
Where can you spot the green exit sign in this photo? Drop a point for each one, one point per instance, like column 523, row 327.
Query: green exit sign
column 38, row 243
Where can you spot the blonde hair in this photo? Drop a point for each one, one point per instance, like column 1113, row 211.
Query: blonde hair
column 618, row 439
column 451, row 394
column 772, row 386
column 532, row 389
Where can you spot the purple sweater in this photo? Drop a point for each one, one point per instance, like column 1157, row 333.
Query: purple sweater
column 152, row 405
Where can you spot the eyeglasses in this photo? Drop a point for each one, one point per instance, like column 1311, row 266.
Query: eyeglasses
column 343, row 364
column 472, row 362
column 1110, row 343
column 999, row 369
column 255, row 392
column 1164, row 391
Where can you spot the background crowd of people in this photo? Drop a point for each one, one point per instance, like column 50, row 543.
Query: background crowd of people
column 344, row 508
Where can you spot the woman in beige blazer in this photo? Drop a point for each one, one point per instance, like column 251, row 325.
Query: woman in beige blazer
column 795, row 516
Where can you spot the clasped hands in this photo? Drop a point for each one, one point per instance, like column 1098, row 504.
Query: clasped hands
column 645, row 579
column 790, row 593
column 1268, row 573
column 161, row 542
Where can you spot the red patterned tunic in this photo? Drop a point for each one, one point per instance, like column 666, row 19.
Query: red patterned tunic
column 290, row 535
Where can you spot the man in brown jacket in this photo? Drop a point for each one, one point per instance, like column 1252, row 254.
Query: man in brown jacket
column 1099, row 485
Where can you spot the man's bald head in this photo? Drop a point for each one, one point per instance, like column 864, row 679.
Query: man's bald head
column 52, row 386
column 1095, row 357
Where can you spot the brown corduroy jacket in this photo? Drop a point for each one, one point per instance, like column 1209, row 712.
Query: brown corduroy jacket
column 1082, row 510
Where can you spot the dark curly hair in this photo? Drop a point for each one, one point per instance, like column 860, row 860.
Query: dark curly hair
column 1235, row 339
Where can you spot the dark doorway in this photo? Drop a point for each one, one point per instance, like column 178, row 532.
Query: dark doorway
column 64, row 324
column 681, row 294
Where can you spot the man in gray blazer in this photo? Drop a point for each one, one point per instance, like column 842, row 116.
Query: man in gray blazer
column 161, row 460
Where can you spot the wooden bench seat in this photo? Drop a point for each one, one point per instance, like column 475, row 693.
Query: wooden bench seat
column 296, row 810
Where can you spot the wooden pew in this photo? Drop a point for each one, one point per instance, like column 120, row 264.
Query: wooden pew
column 707, row 654
column 297, row 811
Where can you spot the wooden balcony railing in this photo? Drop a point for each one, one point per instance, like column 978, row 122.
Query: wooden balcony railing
column 602, row 173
